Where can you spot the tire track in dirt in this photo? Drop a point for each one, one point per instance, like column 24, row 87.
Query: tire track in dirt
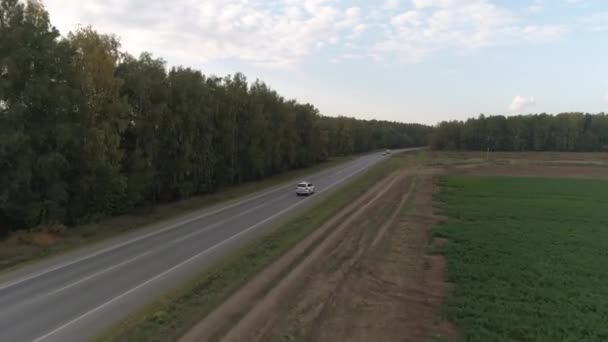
column 392, row 293
column 353, row 262
column 256, row 324
column 365, row 275
column 395, row 293
column 230, row 312
column 390, row 221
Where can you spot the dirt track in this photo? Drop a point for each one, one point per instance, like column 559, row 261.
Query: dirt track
column 363, row 276
column 389, row 290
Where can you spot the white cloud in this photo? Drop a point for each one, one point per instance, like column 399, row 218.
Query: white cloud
column 282, row 33
column 535, row 7
column 356, row 32
column 544, row 33
column 435, row 25
column 520, row 103
column 606, row 97
column 391, row 4
column 596, row 22
column 275, row 34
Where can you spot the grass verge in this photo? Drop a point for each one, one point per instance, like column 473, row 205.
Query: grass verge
column 174, row 314
column 26, row 247
column 527, row 257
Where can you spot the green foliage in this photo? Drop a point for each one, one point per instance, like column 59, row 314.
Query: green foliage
column 87, row 130
column 527, row 257
column 33, row 160
column 562, row 132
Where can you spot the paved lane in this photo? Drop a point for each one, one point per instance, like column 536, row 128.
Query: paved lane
column 73, row 297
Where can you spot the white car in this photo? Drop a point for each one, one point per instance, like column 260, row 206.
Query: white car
column 305, row 188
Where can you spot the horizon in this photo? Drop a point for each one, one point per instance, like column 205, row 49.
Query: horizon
column 419, row 61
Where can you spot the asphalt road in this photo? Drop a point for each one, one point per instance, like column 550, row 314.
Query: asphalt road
column 77, row 295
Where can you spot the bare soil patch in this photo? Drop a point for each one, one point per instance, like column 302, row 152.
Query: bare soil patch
column 36, row 239
column 368, row 276
column 259, row 297
column 525, row 164
column 394, row 292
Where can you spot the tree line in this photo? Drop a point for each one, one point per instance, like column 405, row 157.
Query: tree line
column 87, row 130
column 563, row 132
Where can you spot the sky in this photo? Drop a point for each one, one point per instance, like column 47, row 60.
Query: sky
column 400, row 60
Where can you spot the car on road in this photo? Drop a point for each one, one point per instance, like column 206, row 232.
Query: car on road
column 305, row 188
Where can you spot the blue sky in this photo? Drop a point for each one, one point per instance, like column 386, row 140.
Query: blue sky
column 403, row 60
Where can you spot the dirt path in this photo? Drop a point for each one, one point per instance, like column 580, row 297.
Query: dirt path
column 363, row 276
column 394, row 292
column 246, row 301
column 386, row 288
column 257, row 324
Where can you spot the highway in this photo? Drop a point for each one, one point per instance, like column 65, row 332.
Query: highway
column 77, row 295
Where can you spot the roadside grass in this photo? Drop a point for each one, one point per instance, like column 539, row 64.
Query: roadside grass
column 171, row 316
column 25, row 247
column 528, row 258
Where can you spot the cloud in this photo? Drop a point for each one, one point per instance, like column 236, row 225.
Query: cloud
column 520, row 103
column 606, row 97
column 535, row 7
column 435, row 25
column 346, row 57
column 391, row 4
column 596, row 22
column 544, row 33
column 277, row 33
column 283, row 33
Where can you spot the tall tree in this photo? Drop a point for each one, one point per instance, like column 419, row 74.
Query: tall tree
column 97, row 184
column 146, row 88
column 36, row 94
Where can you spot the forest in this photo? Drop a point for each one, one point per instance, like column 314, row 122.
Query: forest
column 567, row 132
column 87, row 130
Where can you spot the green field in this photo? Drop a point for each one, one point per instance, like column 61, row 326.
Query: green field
column 528, row 258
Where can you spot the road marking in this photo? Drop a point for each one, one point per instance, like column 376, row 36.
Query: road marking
column 162, row 230
column 208, row 250
column 164, row 246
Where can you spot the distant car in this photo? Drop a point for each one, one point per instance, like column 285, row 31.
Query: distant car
column 388, row 151
column 384, row 153
column 305, row 188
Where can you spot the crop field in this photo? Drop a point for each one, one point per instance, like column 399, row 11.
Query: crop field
column 527, row 257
